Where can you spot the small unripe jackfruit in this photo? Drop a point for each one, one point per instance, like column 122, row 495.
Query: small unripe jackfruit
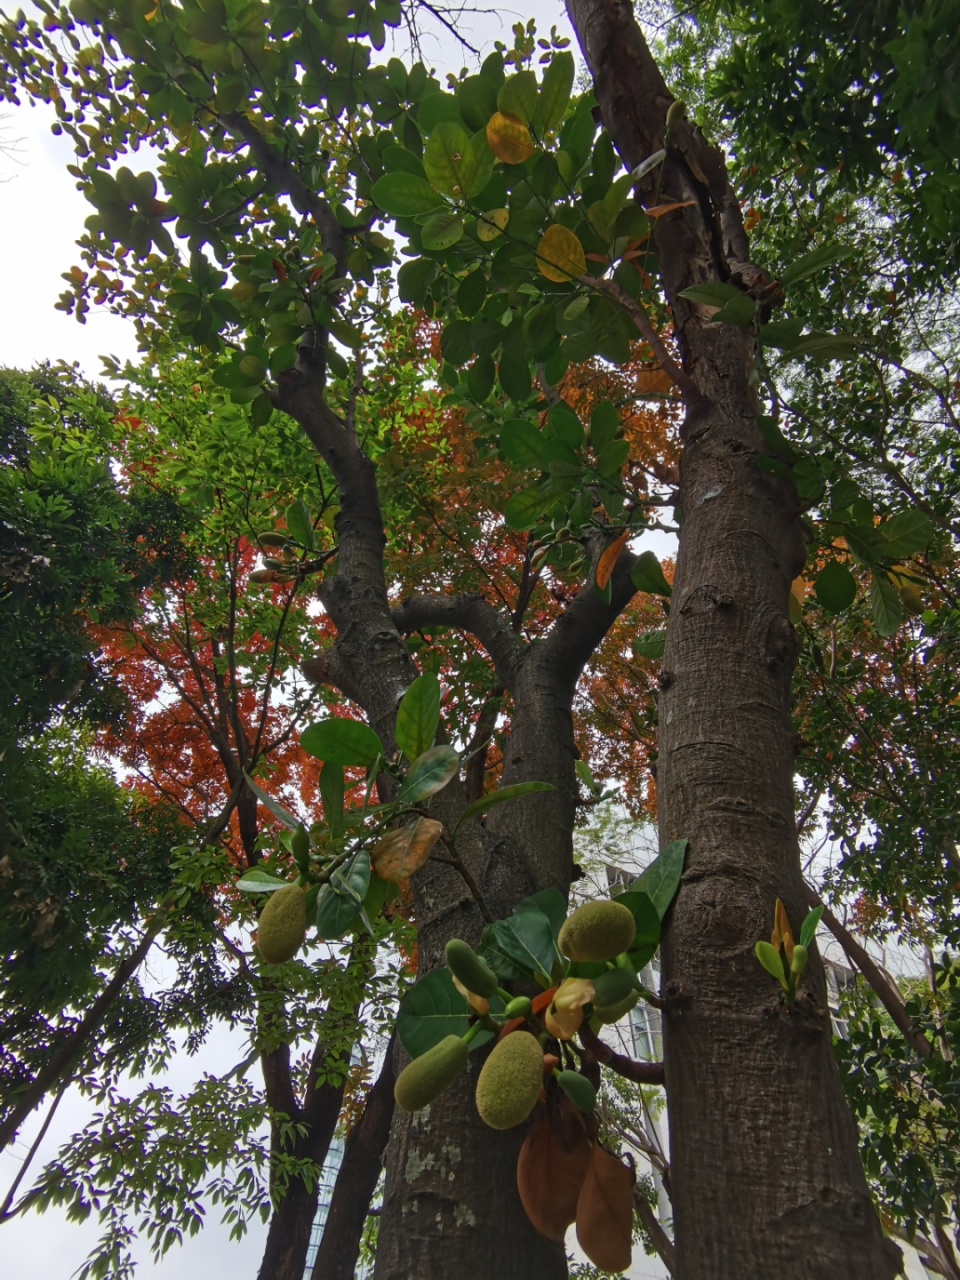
column 799, row 961
column 597, row 931
column 612, row 987
column 426, row 1077
column 283, row 925
column 510, row 1081
column 579, row 1090
column 464, row 963
column 608, row 1014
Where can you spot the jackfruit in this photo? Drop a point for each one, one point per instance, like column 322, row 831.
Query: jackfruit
column 510, row 1081
column 596, row 931
column 579, row 1090
column 283, row 925
column 464, row 963
column 426, row 1077
column 799, row 960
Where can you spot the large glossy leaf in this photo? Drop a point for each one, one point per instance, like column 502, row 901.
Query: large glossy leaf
column 835, row 587
column 648, row 576
column 432, row 1010
column 488, row 802
column 650, row 645
column 555, row 89
column 418, row 716
column 661, row 879
column 524, row 509
column 526, row 939
column 429, row 774
column 405, row 194
column 907, row 533
column 260, row 881
column 522, row 442
column 300, row 525
column 341, row 901
column 550, row 902
column 646, row 916
column 342, row 741
column 274, row 806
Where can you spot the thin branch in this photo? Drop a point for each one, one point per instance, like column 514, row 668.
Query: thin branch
column 638, row 1072
column 658, row 1237
column 5, row 1211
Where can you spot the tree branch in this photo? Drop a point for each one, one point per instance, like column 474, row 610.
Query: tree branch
column 889, row 998
column 638, row 1072
column 586, row 620
column 465, row 612
column 658, row 1237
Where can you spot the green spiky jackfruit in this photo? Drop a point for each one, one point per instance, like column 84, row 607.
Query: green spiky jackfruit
column 283, row 925
column 510, row 1081
column 465, row 965
column 426, row 1077
column 596, row 931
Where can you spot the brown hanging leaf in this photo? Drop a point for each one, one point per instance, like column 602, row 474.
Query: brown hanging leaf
column 509, row 138
column 782, row 931
column 659, row 209
column 605, row 1212
column 653, row 381
column 402, row 852
column 609, row 558
column 550, row 1174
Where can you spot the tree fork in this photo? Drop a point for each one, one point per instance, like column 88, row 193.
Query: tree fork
column 766, row 1176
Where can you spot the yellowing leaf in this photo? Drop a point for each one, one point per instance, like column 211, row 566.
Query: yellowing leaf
column 609, row 558
column 492, row 223
column 659, row 209
column 782, row 933
column 560, row 255
column 509, row 138
column 402, row 852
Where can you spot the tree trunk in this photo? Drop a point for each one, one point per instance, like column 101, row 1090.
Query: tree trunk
column 357, row 1180
column 765, row 1174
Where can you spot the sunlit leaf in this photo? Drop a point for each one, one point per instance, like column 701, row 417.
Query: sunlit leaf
column 403, row 852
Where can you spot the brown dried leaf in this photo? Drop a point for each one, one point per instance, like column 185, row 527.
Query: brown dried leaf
column 402, row 852
column 549, row 1178
column 659, row 209
column 609, row 558
column 650, row 381
column 605, row 1212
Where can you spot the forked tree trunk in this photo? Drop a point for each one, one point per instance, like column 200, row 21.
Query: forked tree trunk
column 765, row 1173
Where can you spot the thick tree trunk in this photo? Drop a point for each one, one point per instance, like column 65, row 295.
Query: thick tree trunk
column 765, row 1173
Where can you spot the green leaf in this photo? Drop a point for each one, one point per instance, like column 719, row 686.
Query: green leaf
column 486, row 803
column 646, row 915
column 550, row 902
column 331, row 793
column 414, row 279
column 885, row 604
column 907, row 534
column 611, row 457
column 429, row 774
column 829, row 346
column 405, row 195
column 514, row 374
column 585, row 774
column 526, row 940
column 739, row 311
column 813, row 261
column 342, row 741
column 712, row 293
column 299, row 524
column 418, row 716
column 259, row 881
column 432, row 1010
column 480, row 378
column 650, row 645
column 441, row 231
column 836, row 587
column 661, row 879
column 477, row 98
column 555, row 88
column 456, row 343
column 455, row 163
column 782, row 334
column 340, row 902
column 525, row 508
column 518, row 95
column 867, row 543
column 604, row 424
column 438, row 108
column 277, row 809
column 522, row 443
column 769, row 957
column 808, row 929
column 566, row 425
column 648, row 576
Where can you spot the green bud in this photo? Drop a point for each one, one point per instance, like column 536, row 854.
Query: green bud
column 579, row 1090
column 300, row 847
column 520, row 1007
column 799, row 961
column 467, row 967
column 426, row 1077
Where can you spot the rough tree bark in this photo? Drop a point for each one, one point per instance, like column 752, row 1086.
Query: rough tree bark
column 765, row 1173
column 451, row 1204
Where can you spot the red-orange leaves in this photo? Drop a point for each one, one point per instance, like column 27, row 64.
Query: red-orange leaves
column 550, row 1174
column 609, row 558
column 605, row 1212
